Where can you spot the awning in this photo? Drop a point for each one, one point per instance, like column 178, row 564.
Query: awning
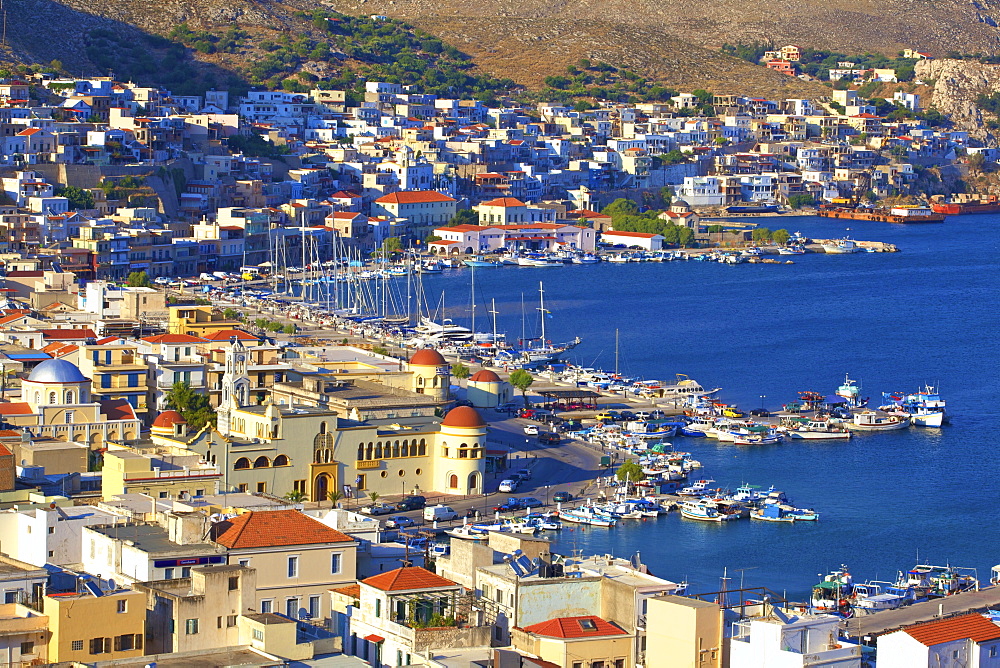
column 834, row 399
column 374, row 638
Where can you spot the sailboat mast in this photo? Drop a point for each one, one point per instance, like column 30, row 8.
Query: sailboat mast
column 493, row 312
column 473, row 326
column 616, row 351
column 541, row 303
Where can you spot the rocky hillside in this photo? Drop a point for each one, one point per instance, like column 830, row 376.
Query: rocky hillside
column 958, row 84
column 673, row 43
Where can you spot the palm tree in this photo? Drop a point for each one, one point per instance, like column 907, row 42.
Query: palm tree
column 295, row 496
column 333, row 496
column 374, row 496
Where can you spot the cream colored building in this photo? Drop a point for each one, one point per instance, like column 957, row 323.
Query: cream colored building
column 199, row 612
column 382, row 444
column 24, row 635
column 297, row 559
column 683, row 632
column 172, row 475
column 578, row 642
column 88, row 628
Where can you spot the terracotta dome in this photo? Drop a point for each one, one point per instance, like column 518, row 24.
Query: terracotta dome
column 485, row 376
column 167, row 420
column 465, row 417
column 427, row 357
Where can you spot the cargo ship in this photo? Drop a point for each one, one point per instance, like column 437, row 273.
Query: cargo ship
column 896, row 214
column 991, row 205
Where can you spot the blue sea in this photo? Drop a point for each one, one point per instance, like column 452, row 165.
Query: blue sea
column 765, row 332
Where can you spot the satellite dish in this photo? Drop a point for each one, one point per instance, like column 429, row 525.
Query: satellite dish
column 112, row 586
column 52, row 505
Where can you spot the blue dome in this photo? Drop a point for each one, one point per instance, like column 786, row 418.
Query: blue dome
column 57, row 371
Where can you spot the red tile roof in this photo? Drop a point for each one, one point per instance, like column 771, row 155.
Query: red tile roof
column 975, row 627
column 173, row 338
column 414, row 197
column 68, row 334
column 408, row 578
column 504, row 201
column 117, row 409
column 226, row 334
column 573, row 627
column 6, row 320
column 352, row 590
column 16, row 408
column 274, row 528
column 640, row 235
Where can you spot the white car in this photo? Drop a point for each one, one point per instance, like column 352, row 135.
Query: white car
column 207, row 277
column 508, row 486
column 531, row 429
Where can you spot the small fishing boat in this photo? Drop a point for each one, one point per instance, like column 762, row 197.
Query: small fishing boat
column 872, row 421
column 841, row 246
column 587, row 515
column 698, row 488
column 771, row 513
column 704, row 510
column 481, row 261
column 817, row 429
column 757, row 435
column 468, row 532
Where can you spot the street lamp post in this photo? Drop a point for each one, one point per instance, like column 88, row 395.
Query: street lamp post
column 546, row 495
column 762, row 398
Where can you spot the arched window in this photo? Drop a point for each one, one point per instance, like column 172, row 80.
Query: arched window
column 395, row 449
column 453, row 481
column 378, row 450
column 405, row 450
column 261, row 462
column 370, row 450
column 422, row 450
column 281, row 460
column 52, row 397
column 361, row 452
column 322, row 427
column 69, row 397
column 38, row 397
column 242, row 463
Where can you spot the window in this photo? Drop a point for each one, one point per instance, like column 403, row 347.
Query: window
column 69, row 417
column 993, row 651
column 77, row 646
column 185, row 571
column 335, row 562
column 230, row 621
column 242, row 463
column 261, row 487
column 314, row 606
column 266, row 605
column 577, row 664
column 122, row 607
column 128, row 642
column 245, row 563
column 619, row 663
column 163, row 495
column 292, row 607
column 27, row 647
column 234, row 583
column 168, row 574
column 588, row 625
column 191, row 627
column 258, row 635
column 378, row 607
column 293, row 567
column 100, row 645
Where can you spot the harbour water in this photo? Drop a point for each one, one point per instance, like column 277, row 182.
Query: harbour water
column 764, row 332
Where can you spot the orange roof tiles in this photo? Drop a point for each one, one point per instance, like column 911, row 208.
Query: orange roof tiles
column 504, row 201
column 117, row 409
column 353, row 590
column 408, row 578
column 415, row 197
column 640, row 235
column 575, row 627
column 226, row 334
column 173, row 338
column 975, row 627
column 15, row 408
column 274, row 528
column 68, row 334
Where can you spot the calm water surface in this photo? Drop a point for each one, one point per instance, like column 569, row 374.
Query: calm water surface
column 891, row 321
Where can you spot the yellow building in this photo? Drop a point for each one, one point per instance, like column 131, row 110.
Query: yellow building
column 173, row 475
column 89, row 628
column 117, row 372
column 24, row 635
column 683, row 632
column 578, row 642
column 196, row 320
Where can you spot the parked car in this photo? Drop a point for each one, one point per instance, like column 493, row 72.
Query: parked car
column 399, row 522
column 657, row 415
column 510, row 505
column 508, row 486
column 412, row 502
column 377, row 509
column 207, row 277
column 760, row 412
column 530, row 502
column 439, row 513
column 640, row 415
column 531, row 429
column 608, row 415
column 562, row 497
column 549, row 438
column 523, row 474
column 509, row 406
column 628, row 416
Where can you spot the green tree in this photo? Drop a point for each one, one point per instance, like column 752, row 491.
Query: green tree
column 289, row 329
column 374, row 496
column 138, row 279
column 231, row 314
column 295, row 496
column 334, row 496
column 78, row 197
column 800, row 200
column 715, row 229
column 781, row 236
column 761, row 234
column 977, row 161
column 621, row 207
column 380, row 350
column 464, row 217
column 460, row 371
column 390, row 246
column 522, row 380
column 193, row 406
column 629, row 473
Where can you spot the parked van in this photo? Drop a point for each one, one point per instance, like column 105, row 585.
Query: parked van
column 439, row 513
